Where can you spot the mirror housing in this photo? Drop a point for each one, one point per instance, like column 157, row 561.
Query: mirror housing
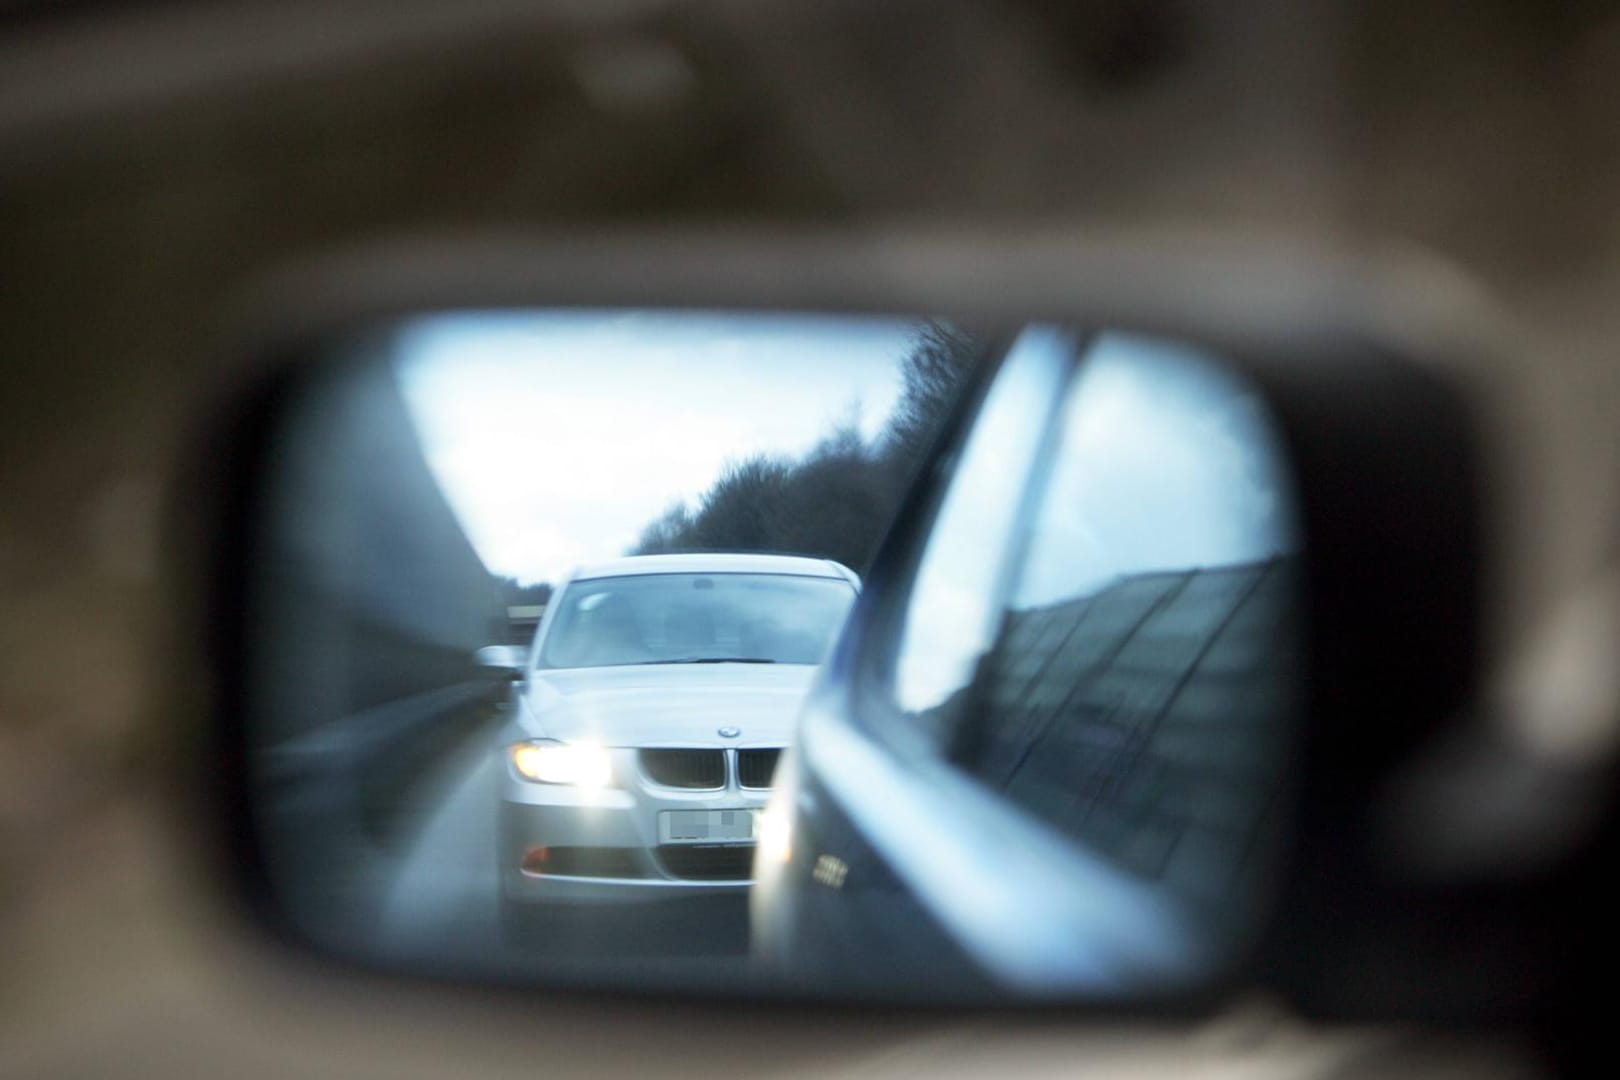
column 1389, row 512
column 501, row 663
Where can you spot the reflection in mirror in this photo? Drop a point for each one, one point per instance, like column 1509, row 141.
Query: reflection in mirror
column 1138, row 696
column 655, row 523
column 1079, row 785
column 542, row 604
column 954, row 614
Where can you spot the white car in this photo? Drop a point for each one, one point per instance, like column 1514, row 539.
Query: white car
column 651, row 709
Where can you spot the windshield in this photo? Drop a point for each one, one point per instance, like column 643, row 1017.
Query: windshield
column 695, row 618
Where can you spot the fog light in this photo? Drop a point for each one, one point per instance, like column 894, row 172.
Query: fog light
column 534, row 860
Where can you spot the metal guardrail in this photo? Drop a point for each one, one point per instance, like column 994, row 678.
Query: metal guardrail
column 359, row 769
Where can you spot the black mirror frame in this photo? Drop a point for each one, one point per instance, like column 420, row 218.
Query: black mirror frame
column 1383, row 441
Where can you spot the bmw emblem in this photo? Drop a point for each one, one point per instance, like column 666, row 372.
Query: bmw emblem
column 730, row 732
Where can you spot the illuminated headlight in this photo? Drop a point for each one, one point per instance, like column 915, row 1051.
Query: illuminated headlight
column 775, row 835
column 579, row 764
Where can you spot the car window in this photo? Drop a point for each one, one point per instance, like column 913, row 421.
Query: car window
column 1137, row 690
column 952, row 609
column 692, row 618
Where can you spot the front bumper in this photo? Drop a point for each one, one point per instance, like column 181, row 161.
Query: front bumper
column 606, row 844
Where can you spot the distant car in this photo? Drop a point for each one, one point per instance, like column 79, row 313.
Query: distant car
column 653, row 705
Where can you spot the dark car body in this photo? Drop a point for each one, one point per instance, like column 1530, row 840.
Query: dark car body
column 1092, row 807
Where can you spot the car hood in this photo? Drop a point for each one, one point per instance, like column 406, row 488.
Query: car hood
column 668, row 704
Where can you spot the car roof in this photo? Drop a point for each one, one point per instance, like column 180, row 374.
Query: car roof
column 716, row 563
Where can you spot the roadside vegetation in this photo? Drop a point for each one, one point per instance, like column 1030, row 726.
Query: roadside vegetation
column 837, row 500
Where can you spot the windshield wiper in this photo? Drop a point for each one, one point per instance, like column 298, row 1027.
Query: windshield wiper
column 713, row 660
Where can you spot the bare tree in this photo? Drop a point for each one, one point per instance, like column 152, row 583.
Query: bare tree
column 931, row 375
column 838, row 500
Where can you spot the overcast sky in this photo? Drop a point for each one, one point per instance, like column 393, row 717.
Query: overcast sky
column 1167, row 461
column 558, row 437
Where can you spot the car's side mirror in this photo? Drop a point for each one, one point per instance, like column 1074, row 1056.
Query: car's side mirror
column 1163, row 565
column 501, row 663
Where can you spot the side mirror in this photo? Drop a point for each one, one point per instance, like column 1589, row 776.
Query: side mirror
column 1213, row 578
column 501, row 663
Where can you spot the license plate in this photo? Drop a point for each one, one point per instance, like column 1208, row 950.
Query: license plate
column 697, row 826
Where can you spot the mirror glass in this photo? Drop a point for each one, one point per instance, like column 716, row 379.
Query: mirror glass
column 564, row 663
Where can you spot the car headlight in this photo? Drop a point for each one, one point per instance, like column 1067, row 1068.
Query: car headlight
column 775, row 835
column 578, row 764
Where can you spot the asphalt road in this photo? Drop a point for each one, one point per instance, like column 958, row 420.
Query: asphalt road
column 439, row 908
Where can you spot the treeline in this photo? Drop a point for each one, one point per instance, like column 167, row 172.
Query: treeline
column 837, row 500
